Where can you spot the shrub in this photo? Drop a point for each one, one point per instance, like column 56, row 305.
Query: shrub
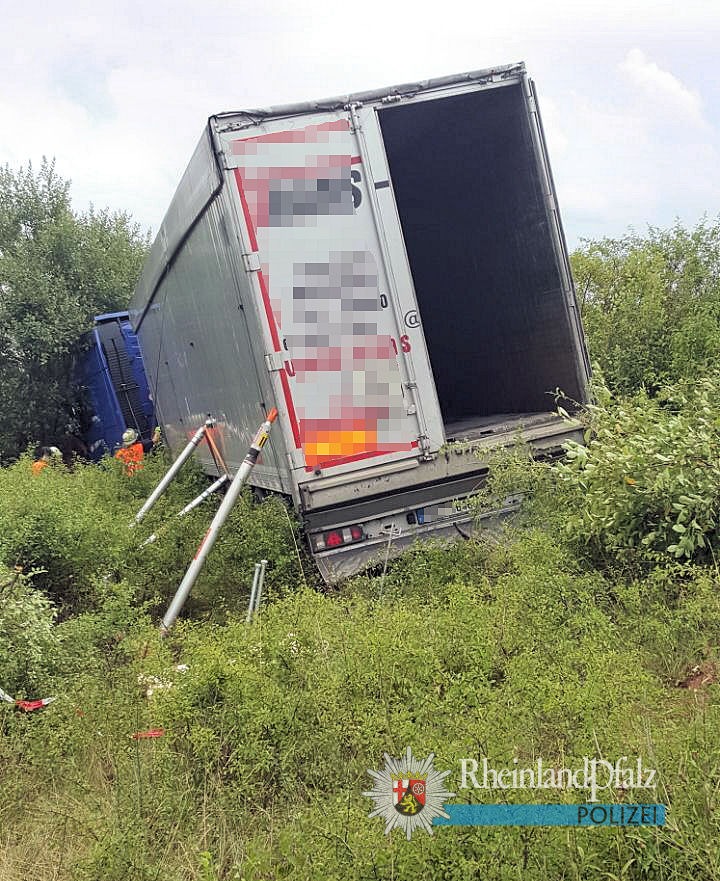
column 648, row 477
column 507, row 649
column 651, row 304
column 73, row 528
column 28, row 641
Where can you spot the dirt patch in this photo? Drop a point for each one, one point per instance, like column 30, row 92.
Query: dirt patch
column 700, row 676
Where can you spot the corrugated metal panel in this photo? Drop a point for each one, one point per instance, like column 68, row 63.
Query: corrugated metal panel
column 196, row 338
column 201, row 182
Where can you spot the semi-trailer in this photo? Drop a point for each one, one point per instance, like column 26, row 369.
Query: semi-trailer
column 389, row 270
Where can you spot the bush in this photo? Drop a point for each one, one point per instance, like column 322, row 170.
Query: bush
column 507, row 648
column 73, row 528
column 28, row 641
column 65, row 525
column 651, row 304
column 510, row 645
column 648, row 478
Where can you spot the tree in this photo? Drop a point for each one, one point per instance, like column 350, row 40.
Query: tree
column 58, row 268
column 651, row 305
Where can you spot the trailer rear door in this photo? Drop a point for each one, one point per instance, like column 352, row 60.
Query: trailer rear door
column 332, row 336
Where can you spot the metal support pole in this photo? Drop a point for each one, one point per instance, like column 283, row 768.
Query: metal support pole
column 172, row 471
column 253, row 591
column 261, row 582
column 203, row 495
column 195, row 502
column 219, row 519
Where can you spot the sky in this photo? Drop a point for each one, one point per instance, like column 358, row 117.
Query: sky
column 118, row 93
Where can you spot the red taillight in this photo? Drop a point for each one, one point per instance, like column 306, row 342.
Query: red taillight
column 324, row 541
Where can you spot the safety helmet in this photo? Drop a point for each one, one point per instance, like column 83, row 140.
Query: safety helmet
column 129, row 437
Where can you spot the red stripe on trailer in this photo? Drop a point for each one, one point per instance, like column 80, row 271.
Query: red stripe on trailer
column 292, row 416
column 246, row 210
column 305, row 135
column 331, row 463
column 275, row 336
column 355, row 160
column 270, row 315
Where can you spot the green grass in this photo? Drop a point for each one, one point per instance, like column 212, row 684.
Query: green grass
column 514, row 646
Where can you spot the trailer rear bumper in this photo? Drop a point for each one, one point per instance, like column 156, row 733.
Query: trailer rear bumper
column 339, row 564
column 379, row 518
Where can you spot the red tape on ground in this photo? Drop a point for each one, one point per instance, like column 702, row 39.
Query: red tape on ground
column 152, row 732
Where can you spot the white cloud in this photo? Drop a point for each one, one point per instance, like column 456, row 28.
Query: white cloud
column 640, row 151
column 661, row 87
column 555, row 135
column 119, row 93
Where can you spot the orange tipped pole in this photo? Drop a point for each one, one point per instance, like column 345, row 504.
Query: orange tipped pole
column 219, row 519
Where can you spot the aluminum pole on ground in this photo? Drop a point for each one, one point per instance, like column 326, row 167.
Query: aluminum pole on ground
column 219, row 519
column 261, row 582
column 253, row 591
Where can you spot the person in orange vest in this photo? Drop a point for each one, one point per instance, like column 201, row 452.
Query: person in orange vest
column 131, row 452
column 48, row 455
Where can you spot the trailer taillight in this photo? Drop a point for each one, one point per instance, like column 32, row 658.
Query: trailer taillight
column 335, row 538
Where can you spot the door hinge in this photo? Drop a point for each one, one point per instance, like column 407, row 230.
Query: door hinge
column 424, row 445
column 252, row 262
column 274, row 361
column 296, row 458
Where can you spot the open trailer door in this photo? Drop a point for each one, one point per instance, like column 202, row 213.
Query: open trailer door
column 483, row 242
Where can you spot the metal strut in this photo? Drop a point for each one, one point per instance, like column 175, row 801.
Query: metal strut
column 256, row 590
column 173, row 470
column 214, row 487
column 219, row 519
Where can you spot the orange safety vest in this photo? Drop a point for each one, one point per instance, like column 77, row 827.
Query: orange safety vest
column 38, row 466
column 132, row 457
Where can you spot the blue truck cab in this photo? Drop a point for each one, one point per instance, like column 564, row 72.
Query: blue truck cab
column 111, row 375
